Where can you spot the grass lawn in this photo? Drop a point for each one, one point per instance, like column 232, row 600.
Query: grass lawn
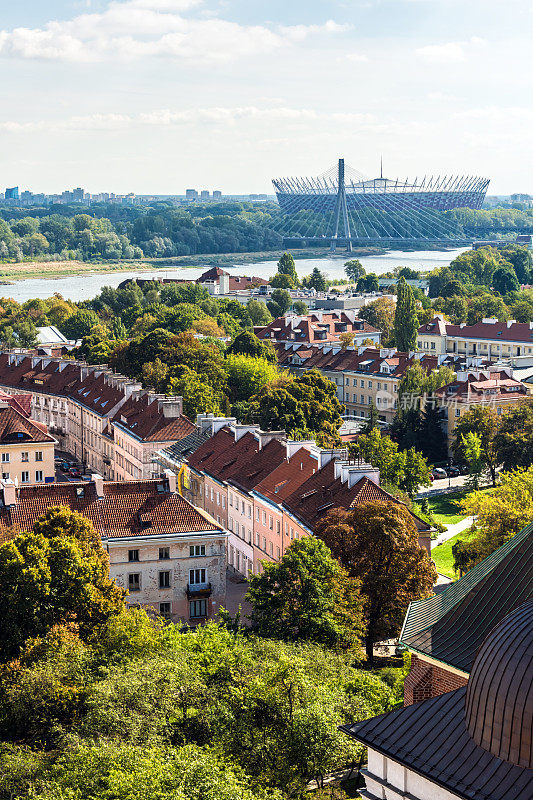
column 445, row 508
column 442, row 554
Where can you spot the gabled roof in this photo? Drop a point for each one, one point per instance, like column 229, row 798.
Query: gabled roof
column 431, row 739
column 322, row 492
column 17, row 428
column 506, row 331
column 450, row 626
column 128, row 508
column 185, row 447
column 143, row 417
column 288, row 476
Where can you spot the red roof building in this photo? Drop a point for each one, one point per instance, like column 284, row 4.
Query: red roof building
column 169, row 555
column 317, row 327
column 489, row 339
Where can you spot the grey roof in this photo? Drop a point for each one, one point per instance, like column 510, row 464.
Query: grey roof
column 431, row 739
column 451, row 626
column 186, row 446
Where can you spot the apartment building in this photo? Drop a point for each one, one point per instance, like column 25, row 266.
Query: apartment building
column 109, row 422
column 319, row 326
column 489, row 339
column 168, row 555
column 492, row 387
column 26, row 448
column 267, row 490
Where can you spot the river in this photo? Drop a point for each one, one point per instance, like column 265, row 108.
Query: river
column 84, row 287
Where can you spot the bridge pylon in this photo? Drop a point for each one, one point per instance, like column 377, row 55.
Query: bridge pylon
column 341, row 212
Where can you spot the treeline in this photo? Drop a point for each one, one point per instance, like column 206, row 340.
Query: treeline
column 161, row 231
column 112, row 231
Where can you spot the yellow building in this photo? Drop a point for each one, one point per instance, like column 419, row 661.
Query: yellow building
column 26, row 449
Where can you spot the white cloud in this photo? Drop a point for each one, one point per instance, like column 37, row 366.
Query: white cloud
column 448, row 52
column 354, row 58
column 134, row 29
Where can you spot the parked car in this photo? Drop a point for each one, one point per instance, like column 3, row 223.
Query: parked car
column 453, row 471
column 75, row 472
column 64, row 466
column 439, row 473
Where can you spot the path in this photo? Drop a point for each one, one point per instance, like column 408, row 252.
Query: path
column 452, row 530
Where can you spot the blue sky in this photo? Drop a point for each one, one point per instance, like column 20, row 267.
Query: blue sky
column 161, row 95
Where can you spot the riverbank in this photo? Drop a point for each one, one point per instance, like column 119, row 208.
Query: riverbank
column 23, row 270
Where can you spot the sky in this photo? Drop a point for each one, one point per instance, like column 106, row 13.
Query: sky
column 156, row 96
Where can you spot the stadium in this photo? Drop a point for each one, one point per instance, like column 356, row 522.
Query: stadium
column 344, row 206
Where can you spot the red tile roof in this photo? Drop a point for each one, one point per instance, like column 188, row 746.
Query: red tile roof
column 334, row 358
column 142, row 416
column 285, row 479
column 125, row 509
column 20, row 402
column 512, row 331
column 236, row 282
column 482, row 387
column 16, row 428
column 313, row 328
column 323, row 491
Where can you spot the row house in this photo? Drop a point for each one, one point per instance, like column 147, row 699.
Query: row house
column 492, row 387
column 26, row 448
column 108, row 421
column 489, row 339
column 267, row 490
column 169, row 556
column 363, row 376
column 319, row 326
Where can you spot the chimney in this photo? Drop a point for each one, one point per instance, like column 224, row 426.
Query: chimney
column 292, row 446
column 240, row 430
column 172, row 480
column 511, row 322
column 9, row 493
column 211, row 424
column 267, row 436
column 98, row 485
column 171, row 407
column 324, row 456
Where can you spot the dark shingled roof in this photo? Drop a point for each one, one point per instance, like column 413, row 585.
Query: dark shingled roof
column 451, row 626
column 186, row 446
column 431, row 739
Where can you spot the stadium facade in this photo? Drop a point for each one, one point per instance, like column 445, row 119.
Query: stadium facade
column 355, row 207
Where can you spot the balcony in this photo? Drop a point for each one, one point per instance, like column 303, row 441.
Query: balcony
column 198, row 590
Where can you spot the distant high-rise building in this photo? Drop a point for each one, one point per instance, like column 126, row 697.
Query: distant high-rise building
column 78, row 194
column 191, row 194
column 12, row 193
column 204, row 194
column 217, row 194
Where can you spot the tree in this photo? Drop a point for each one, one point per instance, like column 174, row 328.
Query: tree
column 302, row 406
column 499, row 515
column 247, row 375
column 199, row 396
column 380, row 314
column 281, row 281
column 504, row 280
column 377, row 543
column 432, row 439
column 306, row 596
column 372, row 421
column 354, row 269
column 368, row 283
column 246, row 343
column 79, row 324
column 407, row 470
column 484, row 422
column 58, row 573
column 300, row 308
column 405, row 318
column 514, row 439
column 258, row 312
column 286, row 266
column 279, row 303
column 317, row 281
column 473, row 454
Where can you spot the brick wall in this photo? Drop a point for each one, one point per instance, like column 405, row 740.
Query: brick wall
column 426, row 680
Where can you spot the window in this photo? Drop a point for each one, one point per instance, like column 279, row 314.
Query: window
column 165, row 610
column 39, row 455
column 5, row 458
column 198, row 608
column 457, row 412
column 264, row 543
column 362, row 384
column 223, row 501
column 196, row 576
column 231, row 500
column 196, row 550
column 278, row 526
column 134, row 581
column 133, row 555
column 348, row 396
column 264, row 518
column 249, row 512
column 25, row 456
column 164, row 579
column 257, row 514
column 39, row 476
column 271, row 549
column 25, row 477
column 164, row 553
column 257, row 540
column 278, row 553
column 218, row 498
column 270, row 522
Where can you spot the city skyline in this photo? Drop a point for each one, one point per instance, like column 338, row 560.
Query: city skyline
column 156, row 96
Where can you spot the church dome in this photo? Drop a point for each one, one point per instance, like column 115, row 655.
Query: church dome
column 499, row 697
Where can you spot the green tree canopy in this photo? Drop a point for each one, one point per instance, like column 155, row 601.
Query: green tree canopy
column 306, row 596
column 405, row 318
